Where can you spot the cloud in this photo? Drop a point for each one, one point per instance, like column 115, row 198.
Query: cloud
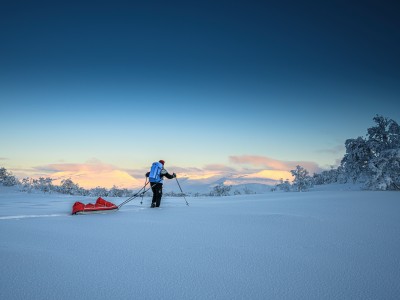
column 270, row 174
column 259, row 161
column 91, row 174
column 208, row 173
column 274, row 164
column 3, row 158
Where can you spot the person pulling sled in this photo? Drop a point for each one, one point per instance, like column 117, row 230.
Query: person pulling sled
column 156, row 175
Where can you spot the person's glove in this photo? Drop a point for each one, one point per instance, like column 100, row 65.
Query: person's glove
column 147, row 174
column 174, row 175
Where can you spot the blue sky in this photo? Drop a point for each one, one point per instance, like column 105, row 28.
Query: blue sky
column 119, row 84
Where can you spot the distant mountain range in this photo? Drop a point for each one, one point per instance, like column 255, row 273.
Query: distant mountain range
column 205, row 186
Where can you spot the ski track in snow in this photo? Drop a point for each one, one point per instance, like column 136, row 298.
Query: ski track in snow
column 29, row 216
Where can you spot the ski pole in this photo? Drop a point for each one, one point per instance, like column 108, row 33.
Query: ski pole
column 182, row 191
column 141, row 201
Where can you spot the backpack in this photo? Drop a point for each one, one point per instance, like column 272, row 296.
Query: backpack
column 155, row 172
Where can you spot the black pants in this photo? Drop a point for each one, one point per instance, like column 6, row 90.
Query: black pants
column 157, row 194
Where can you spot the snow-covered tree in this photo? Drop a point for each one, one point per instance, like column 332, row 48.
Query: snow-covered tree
column 115, row 192
column 284, row 185
column 43, row 184
column 3, row 174
column 69, row 187
column 221, row 190
column 355, row 161
column 341, row 175
column 99, row 192
column 7, row 178
column 326, row 177
column 375, row 160
column 385, row 135
column 173, row 194
column 302, row 181
column 384, row 171
column 26, row 185
column 384, row 167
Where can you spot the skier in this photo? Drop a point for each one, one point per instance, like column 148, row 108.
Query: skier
column 156, row 174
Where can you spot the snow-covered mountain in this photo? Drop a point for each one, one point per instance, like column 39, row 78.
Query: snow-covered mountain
column 205, row 186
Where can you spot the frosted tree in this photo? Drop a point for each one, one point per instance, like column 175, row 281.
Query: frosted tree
column 221, row 190
column 115, row 192
column 302, row 181
column 341, row 175
column 385, row 135
column 43, row 184
column 376, row 160
column 26, row 185
column 384, row 167
column 384, row 171
column 69, row 187
column 326, row 177
column 7, row 178
column 99, row 192
column 118, row 192
column 284, row 185
column 3, row 174
column 355, row 161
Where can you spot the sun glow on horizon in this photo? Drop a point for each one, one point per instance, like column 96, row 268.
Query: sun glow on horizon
column 103, row 179
column 95, row 173
column 271, row 174
column 91, row 174
column 200, row 176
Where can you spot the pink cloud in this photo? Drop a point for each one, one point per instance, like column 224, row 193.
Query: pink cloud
column 90, row 166
column 274, row 164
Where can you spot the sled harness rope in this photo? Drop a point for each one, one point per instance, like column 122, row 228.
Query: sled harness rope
column 141, row 192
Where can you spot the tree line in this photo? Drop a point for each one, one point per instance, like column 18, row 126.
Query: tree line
column 67, row 186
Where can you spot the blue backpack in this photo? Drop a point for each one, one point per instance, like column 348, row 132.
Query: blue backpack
column 155, row 172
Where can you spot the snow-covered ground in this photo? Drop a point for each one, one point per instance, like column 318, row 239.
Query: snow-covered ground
column 340, row 244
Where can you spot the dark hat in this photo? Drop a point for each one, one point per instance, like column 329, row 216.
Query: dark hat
column 161, row 161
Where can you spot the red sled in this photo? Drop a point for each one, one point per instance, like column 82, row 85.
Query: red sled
column 101, row 206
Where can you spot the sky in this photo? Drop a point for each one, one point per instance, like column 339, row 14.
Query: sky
column 98, row 90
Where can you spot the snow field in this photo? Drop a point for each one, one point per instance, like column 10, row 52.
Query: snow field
column 314, row 245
